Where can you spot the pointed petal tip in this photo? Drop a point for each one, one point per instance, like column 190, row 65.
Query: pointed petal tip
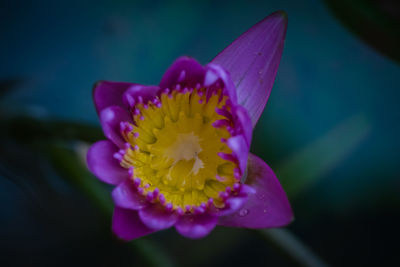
column 252, row 61
column 95, row 85
column 269, row 207
column 279, row 17
column 280, row 13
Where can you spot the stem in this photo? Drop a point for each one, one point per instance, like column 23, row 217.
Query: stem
column 292, row 247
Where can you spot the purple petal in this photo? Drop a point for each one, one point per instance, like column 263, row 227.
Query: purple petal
column 132, row 94
column 110, row 119
column 268, row 207
column 253, row 60
column 196, row 226
column 101, row 162
column 127, row 224
column 239, row 147
column 235, row 202
column 126, row 196
column 215, row 73
column 157, row 217
column 185, row 71
column 242, row 118
column 106, row 93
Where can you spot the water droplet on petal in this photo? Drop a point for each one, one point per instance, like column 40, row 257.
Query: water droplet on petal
column 265, row 211
column 243, row 212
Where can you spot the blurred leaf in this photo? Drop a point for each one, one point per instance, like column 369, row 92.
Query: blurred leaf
column 308, row 164
column 22, row 139
column 18, row 127
column 31, row 179
column 57, row 141
column 54, row 140
column 154, row 255
column 48, row 200
column 68, row 164
column 376, row 22
column 27, row 187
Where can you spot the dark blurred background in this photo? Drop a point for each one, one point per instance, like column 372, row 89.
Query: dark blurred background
column 330, row 129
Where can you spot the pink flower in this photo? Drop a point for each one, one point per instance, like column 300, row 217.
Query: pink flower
column 178, row 153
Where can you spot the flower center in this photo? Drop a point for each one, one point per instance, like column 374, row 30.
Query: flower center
column 175, row 149
column 185, row 150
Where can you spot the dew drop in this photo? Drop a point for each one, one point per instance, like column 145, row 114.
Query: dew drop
column 243, row 212
column 265, row 211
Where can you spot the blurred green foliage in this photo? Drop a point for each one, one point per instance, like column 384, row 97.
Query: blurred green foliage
column 64, row 144
column 304, row 167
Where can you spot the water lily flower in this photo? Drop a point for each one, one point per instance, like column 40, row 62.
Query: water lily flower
column 178, row 153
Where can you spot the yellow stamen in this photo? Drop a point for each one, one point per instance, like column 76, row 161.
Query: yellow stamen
column 177, row 149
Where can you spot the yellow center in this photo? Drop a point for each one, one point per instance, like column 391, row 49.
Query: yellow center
column 174, row 147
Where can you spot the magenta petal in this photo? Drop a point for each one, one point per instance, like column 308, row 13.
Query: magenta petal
column 253, row 60
column 106, row 93
column 239, row 147
column 235, row 202
column 126, row 196
column 157, row 217
column 268, row 207
column 216, row 73
column 102, row 163
column 242, row 117
column 110, row 119
column 185, row 71
column 196, row 226
column 133, row 94
column 127, row 225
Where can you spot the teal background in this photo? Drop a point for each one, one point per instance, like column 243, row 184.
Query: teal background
column 332, row 119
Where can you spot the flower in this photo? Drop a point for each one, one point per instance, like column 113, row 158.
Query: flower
column 178, row 153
